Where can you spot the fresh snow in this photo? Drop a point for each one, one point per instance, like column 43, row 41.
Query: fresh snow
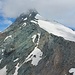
column 3, row 71
column 35, row 56
column 34, row 21
column 72, row 70
column 16, row 59
column 10, row 36
column 16, row 71
column 57, row 29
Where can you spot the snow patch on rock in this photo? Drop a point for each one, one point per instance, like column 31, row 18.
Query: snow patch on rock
column 16, row 59
column 3, row 51
column 35, row 56
column 39, row 17
column 33, row 21
column 16, row 71
column 24, row 24
column 10, row 36
column 3, row 71
column 33, row 38
column 72, row 70
column 25, row 19
column 38, row 38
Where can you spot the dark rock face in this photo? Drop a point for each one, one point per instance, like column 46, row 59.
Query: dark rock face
column 16, row 43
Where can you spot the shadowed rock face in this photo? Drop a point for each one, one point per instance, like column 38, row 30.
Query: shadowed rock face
column 58, row 54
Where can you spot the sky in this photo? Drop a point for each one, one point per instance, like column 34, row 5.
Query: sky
column 62, row 11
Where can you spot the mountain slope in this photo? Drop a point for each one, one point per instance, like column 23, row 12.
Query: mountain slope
column 32, row 46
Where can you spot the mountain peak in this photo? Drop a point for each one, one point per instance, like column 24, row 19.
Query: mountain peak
column 32, row 17
column 33, row 46
column 30, row 14
column 30, row 11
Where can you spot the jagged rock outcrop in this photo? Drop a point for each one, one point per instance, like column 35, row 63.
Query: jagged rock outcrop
column 27, row 49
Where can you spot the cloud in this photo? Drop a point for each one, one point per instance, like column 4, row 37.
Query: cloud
column 13, row 8
column 54, row 7
column 0, row 7
column 5, row 22
column 60, row 10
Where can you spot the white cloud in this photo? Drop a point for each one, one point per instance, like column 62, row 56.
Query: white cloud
column 56, row 9
column 5, row 22
column 0, row 7
column 13, row 8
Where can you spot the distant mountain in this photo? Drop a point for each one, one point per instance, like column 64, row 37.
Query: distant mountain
column 34, row 46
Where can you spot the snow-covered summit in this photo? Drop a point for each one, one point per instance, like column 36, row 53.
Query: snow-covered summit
column 50, row 26
column 57, row 29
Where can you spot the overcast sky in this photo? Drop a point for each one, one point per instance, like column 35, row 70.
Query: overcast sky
column 62, row 11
